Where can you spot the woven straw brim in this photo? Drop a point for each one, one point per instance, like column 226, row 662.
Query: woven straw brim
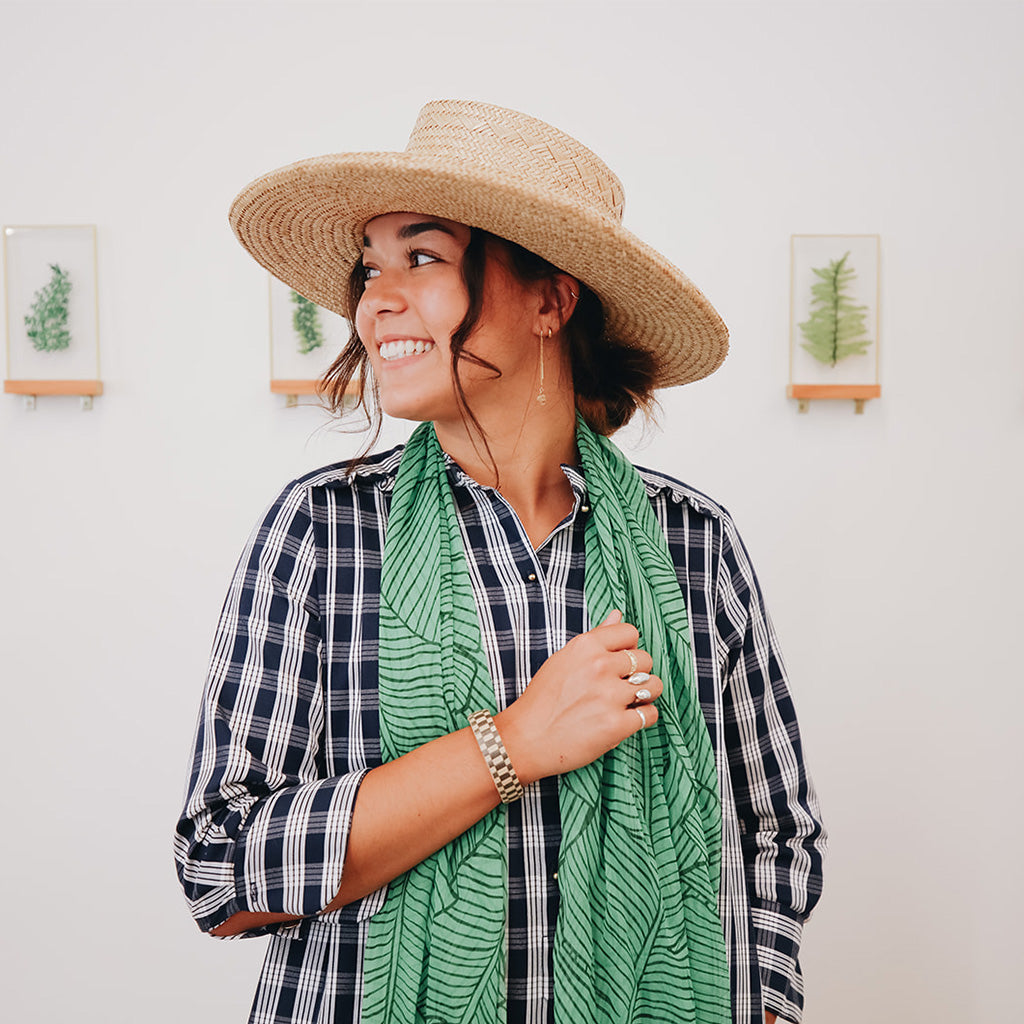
column 305, row 223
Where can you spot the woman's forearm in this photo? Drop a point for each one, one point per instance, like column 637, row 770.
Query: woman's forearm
column 406, row 810
column 409, row 808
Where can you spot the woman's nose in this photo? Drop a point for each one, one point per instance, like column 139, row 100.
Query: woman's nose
column 383, row 294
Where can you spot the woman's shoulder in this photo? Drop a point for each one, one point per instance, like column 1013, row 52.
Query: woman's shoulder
column 673, row 493
column 295, row 505
column 691, row 518
column 371, row 471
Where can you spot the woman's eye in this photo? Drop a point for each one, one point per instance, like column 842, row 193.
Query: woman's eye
column 369, row 273
column 421, row 259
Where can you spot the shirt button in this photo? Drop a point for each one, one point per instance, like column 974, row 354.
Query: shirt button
column 532, row 578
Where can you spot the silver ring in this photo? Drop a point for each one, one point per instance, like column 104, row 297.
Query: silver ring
column 633, row 664
column 642, row 695
column 643, row 717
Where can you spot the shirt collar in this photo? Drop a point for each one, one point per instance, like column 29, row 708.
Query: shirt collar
column 460, row 478
column 383, row 469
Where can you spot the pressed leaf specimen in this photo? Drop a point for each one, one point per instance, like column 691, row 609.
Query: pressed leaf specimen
column 837, row 325
column 46, row 322
column 306, row 321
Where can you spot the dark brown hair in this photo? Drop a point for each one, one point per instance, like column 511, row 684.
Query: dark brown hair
column 611, row 380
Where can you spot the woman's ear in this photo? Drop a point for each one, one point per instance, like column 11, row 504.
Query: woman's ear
column 558, row 304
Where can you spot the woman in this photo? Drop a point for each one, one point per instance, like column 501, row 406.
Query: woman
column 624, row 829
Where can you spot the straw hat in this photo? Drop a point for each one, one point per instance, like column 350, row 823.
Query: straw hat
column 505, row 172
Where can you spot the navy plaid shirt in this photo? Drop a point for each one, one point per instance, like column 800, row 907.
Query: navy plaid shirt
column 288, row 728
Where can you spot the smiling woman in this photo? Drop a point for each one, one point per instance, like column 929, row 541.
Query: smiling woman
column 415, row 297
column 496, row 728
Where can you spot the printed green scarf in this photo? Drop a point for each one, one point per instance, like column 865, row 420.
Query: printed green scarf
column 638, row 936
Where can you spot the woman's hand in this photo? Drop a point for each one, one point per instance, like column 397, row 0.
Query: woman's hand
column 580, row 703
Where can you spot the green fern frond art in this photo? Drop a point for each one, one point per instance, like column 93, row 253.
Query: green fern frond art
column 837, row 325
column 306, row 321
column 46, row 323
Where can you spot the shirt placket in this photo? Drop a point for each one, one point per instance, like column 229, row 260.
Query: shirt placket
column 538, row 625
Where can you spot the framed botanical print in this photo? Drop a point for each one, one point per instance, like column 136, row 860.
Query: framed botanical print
column 834, row 318
column 304, row 340
column 50, row 296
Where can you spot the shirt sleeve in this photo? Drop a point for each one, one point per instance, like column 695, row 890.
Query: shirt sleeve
column 263, row 829
column 781, row 831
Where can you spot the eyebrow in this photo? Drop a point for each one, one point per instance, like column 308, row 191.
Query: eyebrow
column 412, row 230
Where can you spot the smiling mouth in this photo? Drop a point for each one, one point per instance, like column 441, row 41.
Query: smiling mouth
column 400, row 349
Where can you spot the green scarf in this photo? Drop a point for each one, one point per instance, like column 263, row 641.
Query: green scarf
column 638, row 936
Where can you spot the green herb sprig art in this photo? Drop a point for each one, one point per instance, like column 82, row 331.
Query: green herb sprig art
column 306, row 321
column 46, row 322
column 837, row 324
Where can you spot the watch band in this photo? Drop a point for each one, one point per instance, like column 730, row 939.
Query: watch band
column 496, row 756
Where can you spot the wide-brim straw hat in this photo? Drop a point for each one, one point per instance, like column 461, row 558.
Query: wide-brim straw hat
column 496, row 169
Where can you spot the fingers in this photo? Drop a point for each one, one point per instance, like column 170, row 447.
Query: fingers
column 641, row 717
column 631, row 661
column 622, row 638
column 622, row 661
column 616, row 636
column 642, row 688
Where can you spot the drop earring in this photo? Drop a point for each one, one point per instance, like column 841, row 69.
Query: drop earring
column 542, row 398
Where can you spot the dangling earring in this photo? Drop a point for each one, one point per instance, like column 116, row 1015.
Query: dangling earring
column 542, row 398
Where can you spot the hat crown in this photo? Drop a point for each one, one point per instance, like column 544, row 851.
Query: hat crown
column 513, row 146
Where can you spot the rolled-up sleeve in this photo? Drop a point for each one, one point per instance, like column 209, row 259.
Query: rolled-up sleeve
column 263, row 828
column 782, row 834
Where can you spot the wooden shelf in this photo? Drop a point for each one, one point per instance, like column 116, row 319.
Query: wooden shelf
column 293, row 387
column 858, row 393
column 54, row 387
column 834, row 391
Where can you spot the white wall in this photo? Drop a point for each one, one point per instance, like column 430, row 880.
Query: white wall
column 888, row 544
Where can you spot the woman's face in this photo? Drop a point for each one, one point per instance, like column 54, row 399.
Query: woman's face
column 415, row 298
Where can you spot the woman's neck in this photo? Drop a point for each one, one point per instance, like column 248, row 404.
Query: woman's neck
column 527, row 459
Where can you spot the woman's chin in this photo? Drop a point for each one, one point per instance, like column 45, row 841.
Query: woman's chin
column 417, row 408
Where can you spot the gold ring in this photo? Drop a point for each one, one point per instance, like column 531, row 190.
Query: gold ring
column 633, row 664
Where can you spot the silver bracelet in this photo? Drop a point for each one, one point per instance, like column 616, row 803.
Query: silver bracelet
column 491, row 746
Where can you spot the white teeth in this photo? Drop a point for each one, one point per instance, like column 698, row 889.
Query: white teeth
column 400, row 349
